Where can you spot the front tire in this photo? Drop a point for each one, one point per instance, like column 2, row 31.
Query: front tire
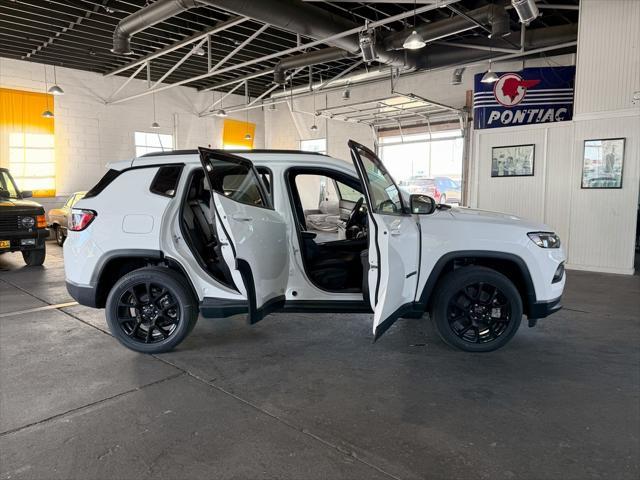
column 476, row 309
column 35, row 257
column 151, row 310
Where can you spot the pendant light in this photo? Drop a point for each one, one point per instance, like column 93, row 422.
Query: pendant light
column 313, row 127
column 155, row 125
column 247, row 136
column 55, row 89
column 221, row 111
column 415, row 40
column 47, row 113
column 489, row 76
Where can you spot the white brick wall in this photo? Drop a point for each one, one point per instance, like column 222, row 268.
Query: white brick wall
column 89, row 133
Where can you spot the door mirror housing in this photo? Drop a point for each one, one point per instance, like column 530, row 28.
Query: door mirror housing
column 26, row 194
column 422, row 204
column 4, row 194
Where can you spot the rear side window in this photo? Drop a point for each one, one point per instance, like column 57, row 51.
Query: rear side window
column 166, row 180
column 104, row 182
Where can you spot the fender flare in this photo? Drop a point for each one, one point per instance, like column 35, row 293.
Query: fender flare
column 436, row 273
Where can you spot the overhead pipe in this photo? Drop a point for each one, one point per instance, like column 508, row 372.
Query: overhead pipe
column 145, row 18
column 307, row 59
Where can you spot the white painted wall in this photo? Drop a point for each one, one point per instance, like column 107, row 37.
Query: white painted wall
column 596, row 226
column 89, row 133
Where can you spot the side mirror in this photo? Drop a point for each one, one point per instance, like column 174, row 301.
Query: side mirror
column 4, row 194
column 422, row 204
column 26, row 194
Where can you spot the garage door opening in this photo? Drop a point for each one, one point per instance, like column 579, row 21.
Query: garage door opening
column 426, row 162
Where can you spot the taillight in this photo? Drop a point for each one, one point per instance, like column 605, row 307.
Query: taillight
column 81, row 219
column 41, row 221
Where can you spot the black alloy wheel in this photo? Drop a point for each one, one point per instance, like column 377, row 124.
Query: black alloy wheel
column 148, row 313
column 476, row 309
column 479, row 313
column 151, row 309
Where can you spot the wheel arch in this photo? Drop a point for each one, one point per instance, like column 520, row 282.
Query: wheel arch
column 118, row 263
column 509, row 264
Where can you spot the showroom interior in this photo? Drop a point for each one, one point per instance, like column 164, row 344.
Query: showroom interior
column 530, row 108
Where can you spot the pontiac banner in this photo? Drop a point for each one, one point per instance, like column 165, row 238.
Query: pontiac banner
column 532, row 95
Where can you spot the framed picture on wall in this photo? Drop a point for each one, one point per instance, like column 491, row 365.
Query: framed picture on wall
column 602, row 162
column 513, row 161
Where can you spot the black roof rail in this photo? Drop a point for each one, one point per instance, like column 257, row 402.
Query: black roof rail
column 195, row 152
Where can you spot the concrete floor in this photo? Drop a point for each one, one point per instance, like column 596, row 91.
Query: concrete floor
column 309, row 396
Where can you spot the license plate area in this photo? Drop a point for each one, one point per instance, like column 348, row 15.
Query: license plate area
column 5, row 244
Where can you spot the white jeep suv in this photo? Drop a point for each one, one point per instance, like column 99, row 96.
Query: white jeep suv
column 164, row 237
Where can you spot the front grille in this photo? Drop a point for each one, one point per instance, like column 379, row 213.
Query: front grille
column 9, row 223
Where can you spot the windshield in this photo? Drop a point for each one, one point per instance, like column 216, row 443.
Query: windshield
column 7, row 185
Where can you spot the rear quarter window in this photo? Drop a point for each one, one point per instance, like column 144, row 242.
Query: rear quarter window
column 166, row 180
column 104, row 182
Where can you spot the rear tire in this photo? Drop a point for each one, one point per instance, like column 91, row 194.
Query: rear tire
column 35, row 257
column 151, row 310
column 60, row 236
column 476, row 309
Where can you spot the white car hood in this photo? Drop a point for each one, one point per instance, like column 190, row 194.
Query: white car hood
column 472, row 215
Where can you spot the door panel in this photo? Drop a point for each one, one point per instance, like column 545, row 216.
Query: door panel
column 394, row 242
column 256, row 246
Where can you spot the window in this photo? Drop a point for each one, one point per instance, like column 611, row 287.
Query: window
column 103, row 183
column 384, row 194
column 147, row 142
column 415, row 160
column 237, row 181
column 166, row 180
column 6, row 185
column 347, row 193
column 317, row 145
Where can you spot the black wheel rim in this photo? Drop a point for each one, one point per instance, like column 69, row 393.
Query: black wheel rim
column 148, row 313
column 479, row 313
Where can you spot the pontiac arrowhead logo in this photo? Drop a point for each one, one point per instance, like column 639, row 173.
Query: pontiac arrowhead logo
column 511, row 88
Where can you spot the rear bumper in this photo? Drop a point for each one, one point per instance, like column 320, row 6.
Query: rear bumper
column 83, row 294
column 544, row 309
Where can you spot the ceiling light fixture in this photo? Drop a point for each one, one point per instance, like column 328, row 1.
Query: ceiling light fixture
column 221, row 112
column 247, row 136
column 155, row 125
column 199, row 51
column 527, row 10
column 489, row 76
column 47, row 113
column 55, row 89
column 414, row 41
column 346, row 94
column 314, row 127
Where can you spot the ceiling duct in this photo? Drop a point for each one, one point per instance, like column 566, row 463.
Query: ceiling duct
column 145, row 18
column 312, row 58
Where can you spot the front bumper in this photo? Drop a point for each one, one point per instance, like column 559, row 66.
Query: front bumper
column 15, row 237
column 543, row 309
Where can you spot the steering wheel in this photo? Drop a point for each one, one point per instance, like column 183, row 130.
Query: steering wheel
column 356, row 214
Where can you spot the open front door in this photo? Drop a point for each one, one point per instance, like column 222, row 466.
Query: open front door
column 253, row 235
column 394, row 242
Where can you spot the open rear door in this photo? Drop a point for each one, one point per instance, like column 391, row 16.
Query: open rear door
column 394, row 242
column 252, row 233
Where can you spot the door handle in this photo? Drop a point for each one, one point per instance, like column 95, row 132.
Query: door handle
column 395, row 232
column 241, row 218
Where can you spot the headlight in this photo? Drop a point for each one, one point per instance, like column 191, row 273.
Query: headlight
column 28, row 222
column 545, row 239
